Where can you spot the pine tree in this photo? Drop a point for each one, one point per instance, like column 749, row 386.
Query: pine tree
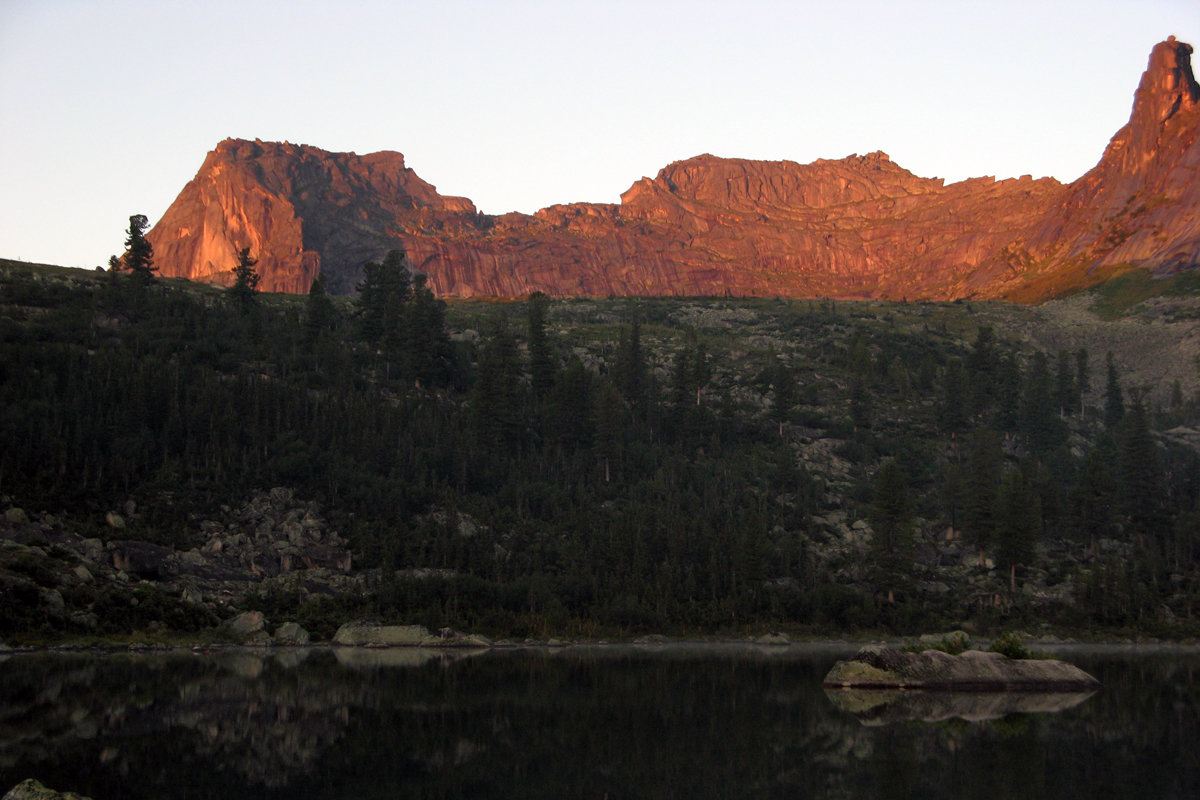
column 1114, row 403
column 1039, row 418
column 383, row 296
column 495, row 399
column 319, row 311
column 1008, row 393
column 1140, row 474
column 245, row 281
column 953, row 414
column 139, row 254
column 428, row 357
column 983, row 364
column 541, row 357
column 891, row 515
column 980, row 476
column 1066, row 393
column 1083, row 377
column 1018, row 519
column 1093, row 499
column 631, row 374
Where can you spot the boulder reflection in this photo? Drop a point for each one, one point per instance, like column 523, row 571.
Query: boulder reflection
column 883, row 707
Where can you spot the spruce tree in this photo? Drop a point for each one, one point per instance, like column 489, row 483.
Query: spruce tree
column 318, row 310
column 383, row 296
column 980, row 476
column 1114, row 403
column 139, row 254
column 427, row 357
column 891, row 515
column 1018, row 519
column 541, row 356
column 1094, row 498
column 245, row 281
column 1140, row 474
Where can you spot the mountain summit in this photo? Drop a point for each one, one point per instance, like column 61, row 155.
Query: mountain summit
column 857, row 227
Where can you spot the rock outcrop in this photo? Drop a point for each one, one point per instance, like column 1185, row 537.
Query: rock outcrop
column 361, row 633
column 861, row 226
column 31, row 789
column 875, row 667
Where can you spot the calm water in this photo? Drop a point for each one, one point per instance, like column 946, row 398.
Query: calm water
column 655, row 722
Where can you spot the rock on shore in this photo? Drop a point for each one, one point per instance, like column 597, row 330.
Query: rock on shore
column 875, row 667
column 31, row 789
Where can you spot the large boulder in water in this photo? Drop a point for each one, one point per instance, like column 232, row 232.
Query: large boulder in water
column 379, row 635
column 875, row 667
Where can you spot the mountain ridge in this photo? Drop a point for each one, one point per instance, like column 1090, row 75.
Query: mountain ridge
column 857, row 227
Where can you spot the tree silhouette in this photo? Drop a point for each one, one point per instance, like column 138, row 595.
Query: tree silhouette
column 245, row 281
column 139, row 254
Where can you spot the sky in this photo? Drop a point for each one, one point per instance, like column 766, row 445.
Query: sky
column 108, row 107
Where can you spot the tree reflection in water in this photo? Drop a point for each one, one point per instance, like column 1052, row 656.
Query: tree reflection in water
column 655, row 721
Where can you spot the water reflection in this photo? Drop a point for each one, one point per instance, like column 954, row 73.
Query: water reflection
column 881, row 707
column 652, row 721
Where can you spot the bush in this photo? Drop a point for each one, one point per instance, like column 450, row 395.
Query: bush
column 1011, row 645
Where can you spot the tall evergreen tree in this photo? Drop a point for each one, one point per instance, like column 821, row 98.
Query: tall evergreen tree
column 631, row 373
column 1018, row 519
column 1066, row 393
column 891, row 518
column 980, row 477
column 783, row 383
column 495, row 399
column 1008, row 393
column 245, row 281
column 1093, row 500
column 319, row 311
column 983, row 364
column 383, row 297
column 1114, row 402
column 891, row 515
column 1083, row 376
column 427, row 356
column 541, row 356
column 139, row 254
column 1140, row 474
column 1039, row 415
column 953, row 414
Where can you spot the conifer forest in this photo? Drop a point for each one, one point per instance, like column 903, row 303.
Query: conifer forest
column 547, row 467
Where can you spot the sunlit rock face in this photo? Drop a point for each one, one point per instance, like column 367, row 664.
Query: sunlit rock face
column 1141, row 204
column 856, row 227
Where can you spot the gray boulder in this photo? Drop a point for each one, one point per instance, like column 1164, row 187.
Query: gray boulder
column 376, row 634
column 249, row 627
column 30, row 789
column 291, row 633
column 875, row 667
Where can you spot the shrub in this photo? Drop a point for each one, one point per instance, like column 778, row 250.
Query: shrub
column 1011, row 645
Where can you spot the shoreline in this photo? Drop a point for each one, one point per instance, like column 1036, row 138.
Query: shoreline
column 204, row 648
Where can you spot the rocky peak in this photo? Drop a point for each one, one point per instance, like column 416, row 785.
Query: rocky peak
column 860, row 226
column 1164, row 98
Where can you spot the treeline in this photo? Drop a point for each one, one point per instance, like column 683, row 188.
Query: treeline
column 516, row 481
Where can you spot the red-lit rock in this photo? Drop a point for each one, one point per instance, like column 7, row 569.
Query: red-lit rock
column 861, row 226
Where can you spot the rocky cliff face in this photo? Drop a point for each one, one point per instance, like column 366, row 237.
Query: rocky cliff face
column 861, row 226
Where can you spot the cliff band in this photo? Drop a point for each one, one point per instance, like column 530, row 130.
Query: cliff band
column 856, row 227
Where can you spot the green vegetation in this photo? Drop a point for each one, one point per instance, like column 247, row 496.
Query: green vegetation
column 601, row 467
column 1126, row 292
column 1012, row 645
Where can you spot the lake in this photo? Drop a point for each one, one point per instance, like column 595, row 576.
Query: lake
column 627, row 721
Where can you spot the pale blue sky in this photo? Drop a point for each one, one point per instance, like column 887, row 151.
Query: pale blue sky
column 110, row 107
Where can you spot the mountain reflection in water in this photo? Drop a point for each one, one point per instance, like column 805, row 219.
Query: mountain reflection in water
column 622, row 721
